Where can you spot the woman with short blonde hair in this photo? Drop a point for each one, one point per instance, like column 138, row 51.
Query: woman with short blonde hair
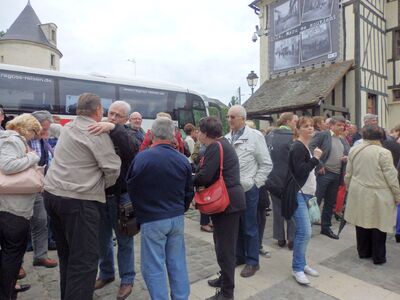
column 15, row 209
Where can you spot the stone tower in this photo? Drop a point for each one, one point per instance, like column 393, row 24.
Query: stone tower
column 30, row 43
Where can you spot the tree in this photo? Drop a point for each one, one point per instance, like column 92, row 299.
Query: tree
column 234, row 101
column 2, row 33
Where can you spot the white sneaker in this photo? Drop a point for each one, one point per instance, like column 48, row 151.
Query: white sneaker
column 310, row 271
column 301, row 277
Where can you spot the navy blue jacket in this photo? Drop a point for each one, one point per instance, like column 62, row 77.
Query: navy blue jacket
column 160, row 183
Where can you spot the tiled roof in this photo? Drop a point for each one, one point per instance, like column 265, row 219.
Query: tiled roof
column 302, row 89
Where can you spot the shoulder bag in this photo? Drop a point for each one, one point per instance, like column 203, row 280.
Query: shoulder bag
column 213, row 199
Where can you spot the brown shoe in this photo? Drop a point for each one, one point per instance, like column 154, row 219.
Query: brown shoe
column 45, row 262
column 21, row 273
column 249, row 270
column 290, row 245
column 100, row 283
column 124, row 291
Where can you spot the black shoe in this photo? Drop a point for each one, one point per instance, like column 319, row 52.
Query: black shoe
column 219, row 296
column 329, row 233
column 397, row 238
column 380, row 262
column 22, row 288
column 281, row 243
column 215, row 283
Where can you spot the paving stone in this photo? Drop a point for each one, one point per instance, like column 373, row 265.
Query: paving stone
column 386, row 276
column 289, row 289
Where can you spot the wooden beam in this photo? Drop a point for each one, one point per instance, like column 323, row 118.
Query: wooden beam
column 334, row 108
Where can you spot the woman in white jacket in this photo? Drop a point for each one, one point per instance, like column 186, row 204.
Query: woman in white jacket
column 15, row 210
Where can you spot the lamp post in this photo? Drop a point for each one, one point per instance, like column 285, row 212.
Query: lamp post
column 252, row 80
column 133, row 61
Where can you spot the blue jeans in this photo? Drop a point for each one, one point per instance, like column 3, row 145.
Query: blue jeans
column 248, row 244
column 162, row 251
column 327, row 187
column 126, row 263
column 302, row 234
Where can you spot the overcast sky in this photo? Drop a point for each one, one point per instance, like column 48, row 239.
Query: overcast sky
column 203, row 45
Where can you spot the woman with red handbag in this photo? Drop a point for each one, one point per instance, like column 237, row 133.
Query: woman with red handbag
column 226, row 223
column 15, row 208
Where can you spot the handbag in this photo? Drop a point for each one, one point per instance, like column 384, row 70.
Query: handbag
column 28, row 181
column 213, row 199
column 127, row 221
column 313, row 210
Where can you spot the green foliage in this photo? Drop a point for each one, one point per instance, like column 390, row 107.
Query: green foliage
column 215, row 112
column 2, row 33
column 234, row 101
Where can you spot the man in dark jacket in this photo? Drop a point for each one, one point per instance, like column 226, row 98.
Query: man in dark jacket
column 330, row 170
column 126, row 147
column 161, row 189
column 279, row 142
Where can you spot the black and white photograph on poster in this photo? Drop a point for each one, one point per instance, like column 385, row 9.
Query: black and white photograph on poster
column 287, row 53
column 286, row 16
column 316, row 9
column 315, row 42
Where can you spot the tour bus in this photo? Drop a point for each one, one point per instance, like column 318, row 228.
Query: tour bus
column 25, row 89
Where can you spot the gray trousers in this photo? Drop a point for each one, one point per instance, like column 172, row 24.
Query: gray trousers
column 39, row 228
column 279, row 222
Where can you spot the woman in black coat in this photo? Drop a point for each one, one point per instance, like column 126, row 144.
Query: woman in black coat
column 226, row 224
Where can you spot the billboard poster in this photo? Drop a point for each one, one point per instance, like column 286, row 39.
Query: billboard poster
column 302, row 32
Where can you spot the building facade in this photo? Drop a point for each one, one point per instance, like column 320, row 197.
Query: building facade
column 356, row 41
column 29, row 43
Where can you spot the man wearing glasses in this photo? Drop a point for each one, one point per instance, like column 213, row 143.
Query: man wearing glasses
column 135, row 121
column 126, row 148
column 255, row 165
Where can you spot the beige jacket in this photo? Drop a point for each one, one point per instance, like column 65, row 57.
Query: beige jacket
column 84, row 164
column 373, row 187
column 14, row 159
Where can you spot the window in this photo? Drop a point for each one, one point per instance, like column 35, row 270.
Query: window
column 148, row 102
column 396, row 43
column 53, row 35
column 71, row 89
column 52, row 60
column 396, row 95
column 2, row 58
column 372, row 104
column 199, row 110
column 25, row 92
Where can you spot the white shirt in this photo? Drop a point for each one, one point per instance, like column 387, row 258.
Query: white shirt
column 310, row 186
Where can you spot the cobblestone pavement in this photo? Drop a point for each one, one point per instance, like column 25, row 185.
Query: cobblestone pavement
column 342, row 275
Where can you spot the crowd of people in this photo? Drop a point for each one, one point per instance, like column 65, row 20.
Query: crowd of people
column 108, row 178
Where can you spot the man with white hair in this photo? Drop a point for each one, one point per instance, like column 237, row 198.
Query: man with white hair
column 135, row 120
column 160, row 186
column 255, row 165
column 369, row 119
column 116, row 199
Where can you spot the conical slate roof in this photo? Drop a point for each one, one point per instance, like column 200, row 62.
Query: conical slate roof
column 26, row 28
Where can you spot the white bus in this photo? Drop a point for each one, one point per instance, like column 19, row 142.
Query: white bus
column 25, row 89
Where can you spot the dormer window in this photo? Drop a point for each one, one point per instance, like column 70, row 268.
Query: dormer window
column 53, row 35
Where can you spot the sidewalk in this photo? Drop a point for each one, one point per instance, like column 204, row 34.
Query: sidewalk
column 342, row 274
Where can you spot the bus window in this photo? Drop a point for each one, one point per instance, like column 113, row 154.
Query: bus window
column 26, row 93
column 71, row 89
column 199, row 110
column 146, row 101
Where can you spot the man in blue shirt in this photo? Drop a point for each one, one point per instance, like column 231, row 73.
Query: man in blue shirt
column 160, row 187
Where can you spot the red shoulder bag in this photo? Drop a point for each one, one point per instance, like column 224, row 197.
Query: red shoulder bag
column 215, row 198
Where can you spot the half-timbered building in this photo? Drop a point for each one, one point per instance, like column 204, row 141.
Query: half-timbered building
column 328, row 57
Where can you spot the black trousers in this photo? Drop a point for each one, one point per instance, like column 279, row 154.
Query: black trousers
column 263, row 203
column 14, row 231
column 75, row 226
column 226, row 230
column 371, row 243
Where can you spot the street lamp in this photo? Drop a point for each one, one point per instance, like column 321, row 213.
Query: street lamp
column 133, row 61
column 252, row 80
